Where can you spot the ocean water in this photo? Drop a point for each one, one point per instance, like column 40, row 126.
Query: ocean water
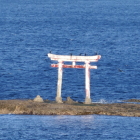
column 26, row 127
column 30, row 29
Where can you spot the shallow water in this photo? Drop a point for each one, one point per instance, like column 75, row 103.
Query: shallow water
column 15, row 127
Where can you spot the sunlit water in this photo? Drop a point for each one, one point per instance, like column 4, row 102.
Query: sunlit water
column 31, row 29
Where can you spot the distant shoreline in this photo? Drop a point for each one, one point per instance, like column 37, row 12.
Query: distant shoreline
column 30, row 107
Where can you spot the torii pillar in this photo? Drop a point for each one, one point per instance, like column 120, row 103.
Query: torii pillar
column 87, row 83
column 73, row 59
column 59, row 82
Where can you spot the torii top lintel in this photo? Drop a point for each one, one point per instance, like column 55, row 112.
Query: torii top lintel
column 74, row 58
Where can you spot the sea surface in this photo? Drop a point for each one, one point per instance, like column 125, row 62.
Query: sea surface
column 92, row 127
column 30, row 29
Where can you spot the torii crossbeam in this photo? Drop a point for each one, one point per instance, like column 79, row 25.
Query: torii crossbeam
column 74, row 59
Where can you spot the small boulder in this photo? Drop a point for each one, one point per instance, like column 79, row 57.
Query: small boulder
column 70, row 101
column 38, row 99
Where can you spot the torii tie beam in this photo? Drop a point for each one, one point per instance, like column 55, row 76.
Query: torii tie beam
column 74, row 59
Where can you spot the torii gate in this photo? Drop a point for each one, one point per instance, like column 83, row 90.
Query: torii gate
column 74, row 59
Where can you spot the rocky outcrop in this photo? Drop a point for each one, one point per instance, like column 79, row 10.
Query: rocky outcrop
column 70, row 101
column 38, row 99
column 52, row 108
column 132, row 100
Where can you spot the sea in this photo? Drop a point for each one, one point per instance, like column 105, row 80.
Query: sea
column 30, row 29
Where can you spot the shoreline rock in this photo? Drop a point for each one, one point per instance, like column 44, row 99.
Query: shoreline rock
column 38, row 99
column 69, row 107
column 132, row 100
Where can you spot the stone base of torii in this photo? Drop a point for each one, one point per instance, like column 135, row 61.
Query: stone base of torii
column 74, row 59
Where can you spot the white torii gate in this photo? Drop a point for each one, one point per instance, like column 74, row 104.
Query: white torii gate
column 74, row 59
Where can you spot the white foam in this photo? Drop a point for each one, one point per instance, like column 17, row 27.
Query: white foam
column 102, row 101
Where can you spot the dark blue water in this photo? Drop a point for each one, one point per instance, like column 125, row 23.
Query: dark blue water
column 90, row 127
column 30, row 29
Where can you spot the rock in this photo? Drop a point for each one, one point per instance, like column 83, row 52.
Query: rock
column 70, row 101
column 38, row 99
column 132, row 100
column 75, row 108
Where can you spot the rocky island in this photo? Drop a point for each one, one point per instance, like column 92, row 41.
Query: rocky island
column 38, row 106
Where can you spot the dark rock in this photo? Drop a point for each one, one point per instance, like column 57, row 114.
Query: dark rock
column 132, row 100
